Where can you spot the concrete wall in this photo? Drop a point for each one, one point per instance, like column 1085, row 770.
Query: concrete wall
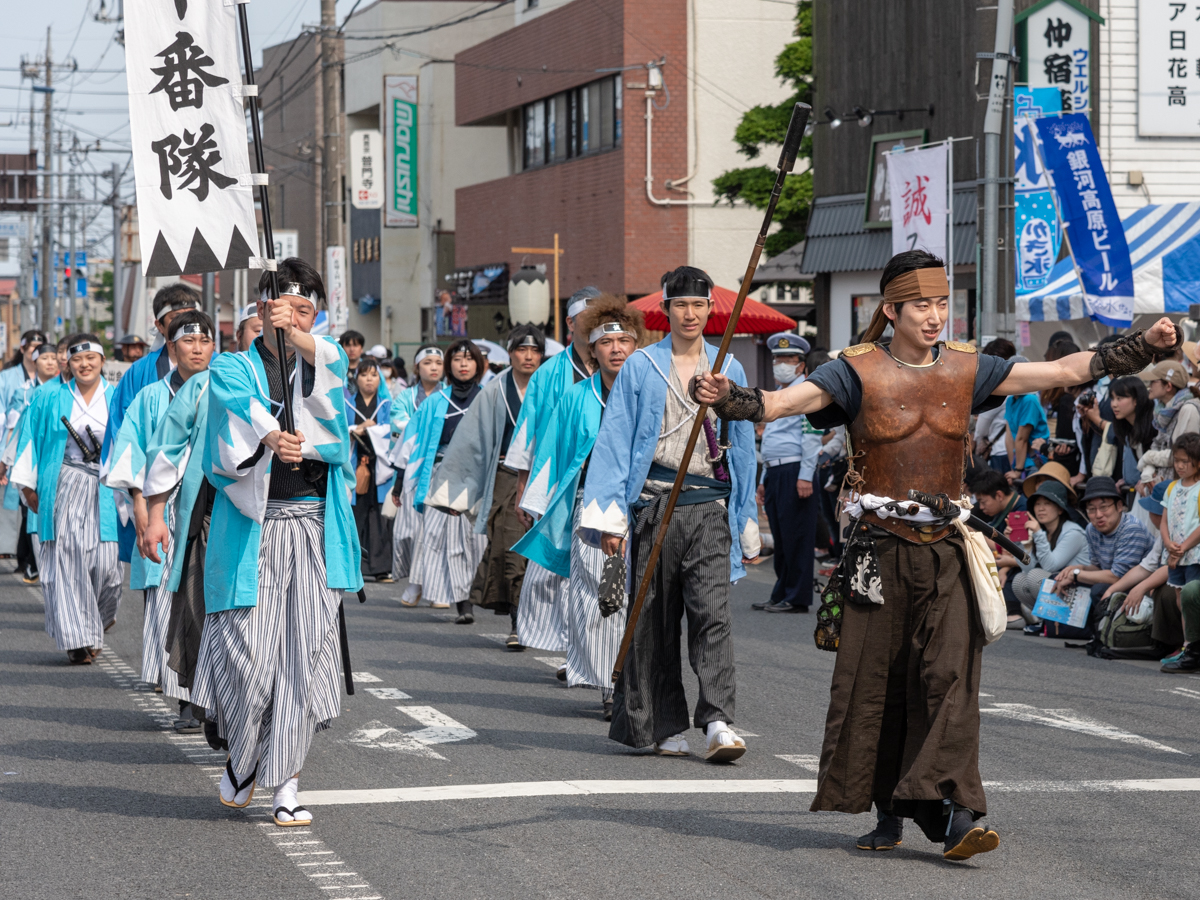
column 843, row 287
column 450, row 157
column 733, row 45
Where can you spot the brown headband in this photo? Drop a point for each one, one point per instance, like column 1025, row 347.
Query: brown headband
column 919, row 284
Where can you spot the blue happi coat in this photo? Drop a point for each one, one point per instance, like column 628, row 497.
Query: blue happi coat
column 176, row 457
column 418, row 451
column 627, row 441
column 240, row 415
column 547, row 386
column 41, row 445
column 379, row 435
column 14, row 412
column 127, row 464
column 562, row 449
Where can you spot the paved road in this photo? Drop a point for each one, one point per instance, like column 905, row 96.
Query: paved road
column 96, row 797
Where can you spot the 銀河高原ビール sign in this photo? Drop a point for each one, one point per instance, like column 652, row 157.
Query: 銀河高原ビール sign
column 400, row 208
column 1085, row 203
column 366, row 169
column 187, row 127
column 917, row 184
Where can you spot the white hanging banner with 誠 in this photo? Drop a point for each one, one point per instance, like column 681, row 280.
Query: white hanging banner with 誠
column 400, row 208
column 195, row 196
column 335, row 269
column 917, row 182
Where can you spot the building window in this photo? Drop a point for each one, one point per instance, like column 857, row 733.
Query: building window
column 572, row 123
column 531, row 4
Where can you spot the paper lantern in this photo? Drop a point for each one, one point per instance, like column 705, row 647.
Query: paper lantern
column 529, row 297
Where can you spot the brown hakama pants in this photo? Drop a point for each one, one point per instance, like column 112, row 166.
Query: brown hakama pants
column 903, row 722
column 497, row 583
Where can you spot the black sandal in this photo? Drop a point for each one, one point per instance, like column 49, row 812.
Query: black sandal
column 291, row 812
column 79, row 657
column 238, row 788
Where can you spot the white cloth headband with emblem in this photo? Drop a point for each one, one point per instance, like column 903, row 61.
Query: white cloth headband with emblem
column 428, row 351
column 190, row 328
column 608, row 328
column 528, row 341
column 85, row 347
column 293, row 290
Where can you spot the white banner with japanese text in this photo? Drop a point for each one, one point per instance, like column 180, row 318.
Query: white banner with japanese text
column 1168, row 37
column 917, row 182
column 335, row 288
column 188, row 129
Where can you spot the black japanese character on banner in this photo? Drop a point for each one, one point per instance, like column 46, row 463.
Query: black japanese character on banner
column 1057, row 32
column 181, row 8
column 1058, row 68
column 192, row 159
column 183, row 75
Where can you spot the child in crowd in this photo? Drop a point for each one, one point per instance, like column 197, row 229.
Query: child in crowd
column 1181, row 525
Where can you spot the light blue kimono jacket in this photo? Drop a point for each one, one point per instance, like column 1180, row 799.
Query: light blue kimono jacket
column 13, row 381
column 14, row 412
column 127, row 464
column 628, row 439
column 379, row 435
column 41, row 445
column 547, row 386
column 176, row 456
column 467, row 477
column 562, row 449
column 240, row 415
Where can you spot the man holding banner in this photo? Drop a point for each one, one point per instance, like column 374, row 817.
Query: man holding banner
column 910, row 640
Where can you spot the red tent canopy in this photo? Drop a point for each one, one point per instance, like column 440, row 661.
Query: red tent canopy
column 756, row 318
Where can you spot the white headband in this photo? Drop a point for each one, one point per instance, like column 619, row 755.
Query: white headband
column 528, row 341
column 608, row 328
column 428, row 351
column 684, row 296
column 577, row 307
column 85, row 347
column 293, row 290
column 190, row 328
column 248, row 312
column 175, row 307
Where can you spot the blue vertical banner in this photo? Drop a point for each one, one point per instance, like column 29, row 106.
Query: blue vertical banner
column 1085, row 203
column 1037, row 235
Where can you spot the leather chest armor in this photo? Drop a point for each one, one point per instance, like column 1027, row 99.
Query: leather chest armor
column 911, row 430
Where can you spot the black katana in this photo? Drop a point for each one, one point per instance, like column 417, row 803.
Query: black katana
column 89, row 455
column 942, row 505
column 787, row 161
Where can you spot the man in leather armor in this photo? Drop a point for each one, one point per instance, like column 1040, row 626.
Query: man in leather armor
column 902, row 730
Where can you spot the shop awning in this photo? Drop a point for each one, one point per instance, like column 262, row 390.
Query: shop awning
column 1164, row 245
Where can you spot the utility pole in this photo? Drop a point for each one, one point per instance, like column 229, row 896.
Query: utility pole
column 993, row 127
column 331, row 138
column 69, row 310
column 47, row 263
column 120, row 329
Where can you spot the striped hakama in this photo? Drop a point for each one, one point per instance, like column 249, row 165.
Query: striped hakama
column 81, row 575
column 542, row 612
column 446, row 557
column 155, row 625
column 592, row 640
column 406, row 532
column 268, row 674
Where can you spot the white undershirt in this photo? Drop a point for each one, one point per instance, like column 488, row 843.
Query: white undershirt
column 94, row 414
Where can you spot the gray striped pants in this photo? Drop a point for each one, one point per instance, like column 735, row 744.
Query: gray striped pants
column 406, row 533
column 541, row 613
column 154, row 642
column 446, row 557
column 592, row 640
column 81, row 575
column 268, row 674
column 693, row 579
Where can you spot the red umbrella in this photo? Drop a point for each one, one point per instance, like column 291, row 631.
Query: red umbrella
column 756, row 318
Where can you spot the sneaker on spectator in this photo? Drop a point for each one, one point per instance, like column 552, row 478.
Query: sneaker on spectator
column 1188, row 662
column 1174, row 657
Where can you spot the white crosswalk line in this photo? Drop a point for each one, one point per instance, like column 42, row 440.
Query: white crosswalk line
column 1069, row 720
column 812, row 763
column 388, row 693
column 440, row 729
column 366, row 677
column 381, row 736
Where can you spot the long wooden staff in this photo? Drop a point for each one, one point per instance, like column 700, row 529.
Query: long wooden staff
column 787, row 161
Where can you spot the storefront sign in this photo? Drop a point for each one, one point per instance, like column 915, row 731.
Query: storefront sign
column 366, row 169
column 1037, row 233
column 400, row 105
column 1054, row 41
column 1168, row 76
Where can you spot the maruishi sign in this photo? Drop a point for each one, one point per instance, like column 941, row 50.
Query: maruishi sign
column 400, row 105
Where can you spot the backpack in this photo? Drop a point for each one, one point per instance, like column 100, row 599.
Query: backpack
column 1118, row 638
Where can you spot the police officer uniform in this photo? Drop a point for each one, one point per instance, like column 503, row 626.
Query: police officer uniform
column 790, row 447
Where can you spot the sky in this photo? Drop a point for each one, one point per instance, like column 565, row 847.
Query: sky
column 91, row 101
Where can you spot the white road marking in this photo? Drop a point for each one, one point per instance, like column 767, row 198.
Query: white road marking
column 196, row 749
column 554, row 662
column 812, row 763
column 704, row 786
column 366, row 677
column 381, row 736
column 1069, row 720
column 1181, row 692
column 388, row 693
column 439, row 728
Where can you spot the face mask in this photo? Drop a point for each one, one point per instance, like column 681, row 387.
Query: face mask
column 784, row 373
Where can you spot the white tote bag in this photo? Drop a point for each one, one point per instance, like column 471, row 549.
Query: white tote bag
column 985, row 581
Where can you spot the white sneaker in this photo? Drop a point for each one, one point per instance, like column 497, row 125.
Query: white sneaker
column 675, row 745
column 724, row 746
column 286, row 803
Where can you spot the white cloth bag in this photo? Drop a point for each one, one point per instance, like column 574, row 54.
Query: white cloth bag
column 985, row 583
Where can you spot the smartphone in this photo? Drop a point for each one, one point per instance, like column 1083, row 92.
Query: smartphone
column 1019, row 523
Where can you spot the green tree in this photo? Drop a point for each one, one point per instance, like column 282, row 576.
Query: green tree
column 768, row 125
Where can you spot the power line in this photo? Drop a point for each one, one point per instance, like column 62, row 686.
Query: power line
column 402, row 34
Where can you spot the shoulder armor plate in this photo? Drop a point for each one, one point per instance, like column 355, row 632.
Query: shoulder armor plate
column 960, row 346
column 858, row 350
